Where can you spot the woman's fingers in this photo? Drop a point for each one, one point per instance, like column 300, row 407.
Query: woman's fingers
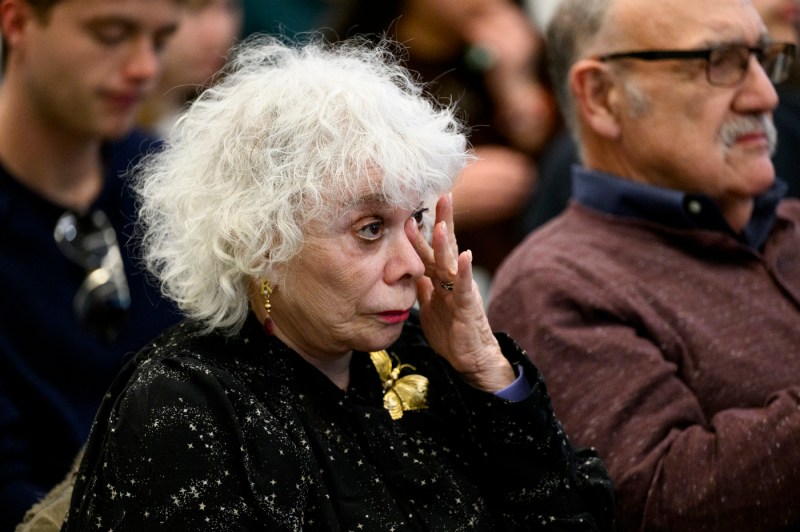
column 464, row 277
column 445, row 248
column 444, row 213
column 424, row 290
column 446, row 262
column 440, row 256
column 422, row 247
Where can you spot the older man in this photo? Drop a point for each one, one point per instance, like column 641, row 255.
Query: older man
column 72, row 300
column 663, row 305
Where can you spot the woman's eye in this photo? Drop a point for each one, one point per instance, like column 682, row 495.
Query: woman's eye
column 418, row 216
column 372, row 231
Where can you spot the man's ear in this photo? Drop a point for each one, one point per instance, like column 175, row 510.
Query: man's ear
column 14, row 16
column 594, row 91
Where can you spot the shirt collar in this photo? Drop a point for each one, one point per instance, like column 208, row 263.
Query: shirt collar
column 613, row 195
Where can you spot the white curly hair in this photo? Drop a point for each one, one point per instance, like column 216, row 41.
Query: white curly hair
column 290, row 133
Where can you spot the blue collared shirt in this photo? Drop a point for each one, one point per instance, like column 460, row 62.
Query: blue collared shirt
column 621, row 197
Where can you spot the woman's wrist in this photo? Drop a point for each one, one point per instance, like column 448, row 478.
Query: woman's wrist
column 492, row 376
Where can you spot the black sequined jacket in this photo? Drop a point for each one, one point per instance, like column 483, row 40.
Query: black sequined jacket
column 208, row 432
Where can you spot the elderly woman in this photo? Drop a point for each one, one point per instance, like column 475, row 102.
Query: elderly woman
column 294, row 218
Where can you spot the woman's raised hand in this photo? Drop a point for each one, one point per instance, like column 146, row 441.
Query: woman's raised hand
column 451, row 309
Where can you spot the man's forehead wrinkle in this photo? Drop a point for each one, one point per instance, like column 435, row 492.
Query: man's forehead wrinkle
column 637, row 23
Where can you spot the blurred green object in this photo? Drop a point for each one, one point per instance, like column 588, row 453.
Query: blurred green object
column 286, row 17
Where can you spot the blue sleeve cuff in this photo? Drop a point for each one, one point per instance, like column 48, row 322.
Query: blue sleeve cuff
column 517, row 390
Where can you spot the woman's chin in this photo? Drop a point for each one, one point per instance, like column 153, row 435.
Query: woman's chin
column 382, row 339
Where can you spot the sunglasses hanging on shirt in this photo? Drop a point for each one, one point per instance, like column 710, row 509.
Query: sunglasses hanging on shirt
column 103, row 299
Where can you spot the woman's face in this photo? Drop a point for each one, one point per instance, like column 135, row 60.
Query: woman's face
column 352, row 285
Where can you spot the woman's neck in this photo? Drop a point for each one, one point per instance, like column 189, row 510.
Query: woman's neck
column 336, row 368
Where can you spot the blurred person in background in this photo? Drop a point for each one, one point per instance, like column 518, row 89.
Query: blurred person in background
column 289, row 18
column 541, row 11
column 207, row 31
column 487, row 57
column 664, row 301
column 781, row 18
column 74, row 300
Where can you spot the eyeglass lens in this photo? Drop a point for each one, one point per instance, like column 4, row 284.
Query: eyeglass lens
column 778, row 63
column 103, row 299
column 728, row 65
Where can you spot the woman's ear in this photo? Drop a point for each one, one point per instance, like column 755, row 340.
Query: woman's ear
column 595, row 92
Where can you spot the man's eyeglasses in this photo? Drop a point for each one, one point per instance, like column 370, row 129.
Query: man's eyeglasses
column 103, row 299
column 726, row 65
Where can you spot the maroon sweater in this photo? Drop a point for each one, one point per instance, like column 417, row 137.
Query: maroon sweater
column 677, row 354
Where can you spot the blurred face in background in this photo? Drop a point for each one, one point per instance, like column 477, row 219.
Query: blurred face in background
column 207, row 30
column 781, row 18
column 88, row 64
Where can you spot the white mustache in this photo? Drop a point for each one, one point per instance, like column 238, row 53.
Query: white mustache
column 747, row 125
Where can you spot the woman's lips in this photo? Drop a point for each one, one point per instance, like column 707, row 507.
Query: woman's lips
column 394, row 316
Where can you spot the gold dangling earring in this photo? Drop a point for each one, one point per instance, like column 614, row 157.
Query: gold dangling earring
column 266, row 290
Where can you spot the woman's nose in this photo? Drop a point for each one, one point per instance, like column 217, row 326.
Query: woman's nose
column 403, row 260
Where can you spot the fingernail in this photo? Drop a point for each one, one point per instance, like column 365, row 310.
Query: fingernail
column 444, row 225
column 469, row 251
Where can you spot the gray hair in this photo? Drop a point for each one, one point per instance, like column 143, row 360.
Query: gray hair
column 573, row 28
column 288, row 135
